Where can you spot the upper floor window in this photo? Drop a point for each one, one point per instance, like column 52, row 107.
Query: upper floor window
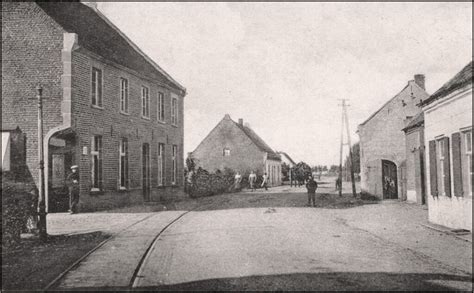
column 96, row 93
column 161, row 107
column 174, row 109
column 124, row 95
column 226, row 152
column 145, row 102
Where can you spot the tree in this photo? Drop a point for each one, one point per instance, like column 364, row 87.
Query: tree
column 285, row 169
column 302, row 171
column 355, row 161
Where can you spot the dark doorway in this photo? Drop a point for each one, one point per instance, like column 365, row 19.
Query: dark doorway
column 146, row 171
column 389, row 180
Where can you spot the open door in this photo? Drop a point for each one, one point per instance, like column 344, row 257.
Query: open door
column 389, row 180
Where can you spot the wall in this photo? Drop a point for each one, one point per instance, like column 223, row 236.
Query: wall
column 414, row 145
column 31, row 55
column 273, row 168
column 114, row 125
column 382, row 138
column 244, row 154
column 444, row 117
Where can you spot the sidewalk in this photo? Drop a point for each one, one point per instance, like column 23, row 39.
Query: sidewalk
column 406, row 225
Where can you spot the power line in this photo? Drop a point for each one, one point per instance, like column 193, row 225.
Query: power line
column 345, row 120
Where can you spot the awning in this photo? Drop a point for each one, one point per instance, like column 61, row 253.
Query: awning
column 5, row 151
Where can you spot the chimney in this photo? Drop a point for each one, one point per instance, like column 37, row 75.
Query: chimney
column 241, row 121
column 420, row 80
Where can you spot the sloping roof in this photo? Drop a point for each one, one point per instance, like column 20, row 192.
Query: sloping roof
column 461, row 79
column 287, row 156
column 259, row 142
column 380, row 109
column 418, row 120
column 98, row 35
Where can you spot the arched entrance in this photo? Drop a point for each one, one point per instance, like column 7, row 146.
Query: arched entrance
column 389, row 180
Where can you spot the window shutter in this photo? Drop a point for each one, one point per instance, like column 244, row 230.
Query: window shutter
column 433, row 172
column 447, row 170
column 457, row 167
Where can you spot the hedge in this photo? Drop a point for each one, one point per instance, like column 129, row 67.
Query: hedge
column 19, row 201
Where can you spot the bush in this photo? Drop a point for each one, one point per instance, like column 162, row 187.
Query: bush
column 208, row 184
column 18, row 207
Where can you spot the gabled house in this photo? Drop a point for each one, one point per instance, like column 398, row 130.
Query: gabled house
column 382, row 143
column 107, row 107
column 236, row 146
column 448, row 137
column 285, row 158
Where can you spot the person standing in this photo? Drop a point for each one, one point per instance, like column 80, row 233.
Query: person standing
column 73, row 184
column 265, row 181
column 311, row 186
column 252, row 180
column 237, row 180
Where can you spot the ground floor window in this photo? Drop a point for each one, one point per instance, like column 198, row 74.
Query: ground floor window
column 96, row 154
column 161, row 151
column 175, row 165
column 123, row 163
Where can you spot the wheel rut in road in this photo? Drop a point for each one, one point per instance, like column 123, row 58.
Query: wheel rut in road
column 116, row 264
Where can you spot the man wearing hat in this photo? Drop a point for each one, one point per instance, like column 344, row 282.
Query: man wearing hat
column 73, row 184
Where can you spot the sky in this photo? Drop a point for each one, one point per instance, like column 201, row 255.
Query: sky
column 283, row 66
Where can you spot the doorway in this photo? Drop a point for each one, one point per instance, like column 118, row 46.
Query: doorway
column 146, row 171
column 389, row 180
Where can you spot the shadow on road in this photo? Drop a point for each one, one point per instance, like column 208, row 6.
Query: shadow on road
column 372, row 281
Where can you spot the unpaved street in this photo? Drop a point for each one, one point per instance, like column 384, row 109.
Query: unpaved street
column 379, row 246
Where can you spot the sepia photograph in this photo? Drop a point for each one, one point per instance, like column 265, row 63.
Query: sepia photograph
column 236, row 146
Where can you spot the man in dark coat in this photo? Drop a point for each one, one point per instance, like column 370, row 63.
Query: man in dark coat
column 73, row 184
column 311, row 186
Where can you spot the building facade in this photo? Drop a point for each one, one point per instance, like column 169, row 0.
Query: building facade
column 448, row 137
column 415, row 160
column 107, row 107
column 382, row 142
column 237, row 147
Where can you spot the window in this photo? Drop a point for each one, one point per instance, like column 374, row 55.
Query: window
column 467, row 137
column 96, row 153
column 175, row 164
column 123, row 95
column 123, row 151
column 161, row 107
column 145, row 102
column 96, row 87
column 226, row 152
column 441, row 173
column 161, row 151
column 174, row 110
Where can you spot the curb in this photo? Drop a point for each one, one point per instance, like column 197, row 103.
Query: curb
column 448, row 232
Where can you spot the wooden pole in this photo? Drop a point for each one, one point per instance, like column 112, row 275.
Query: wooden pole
column 350, row 151
column 41, row 200
column 340, row 150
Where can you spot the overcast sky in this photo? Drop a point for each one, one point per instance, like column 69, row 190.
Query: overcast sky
column 282, row 66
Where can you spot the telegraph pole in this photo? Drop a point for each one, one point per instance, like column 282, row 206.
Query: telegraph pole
column 345, row 120
column 41, row 200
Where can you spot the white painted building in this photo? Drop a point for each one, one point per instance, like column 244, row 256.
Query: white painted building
column 448, row 138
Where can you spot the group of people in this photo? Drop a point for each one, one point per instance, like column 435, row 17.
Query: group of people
column 252, row 181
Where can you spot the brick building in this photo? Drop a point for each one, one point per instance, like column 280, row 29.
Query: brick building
column 415, row 160
column 107, row 106
column 236, row 146
column 448, row 137
column 382, row 142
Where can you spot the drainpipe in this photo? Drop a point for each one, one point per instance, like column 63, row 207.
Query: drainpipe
column 70, row 43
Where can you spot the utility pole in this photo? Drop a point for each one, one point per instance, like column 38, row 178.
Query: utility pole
column 41, row 200
column 340, row 149
column 345, row 120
